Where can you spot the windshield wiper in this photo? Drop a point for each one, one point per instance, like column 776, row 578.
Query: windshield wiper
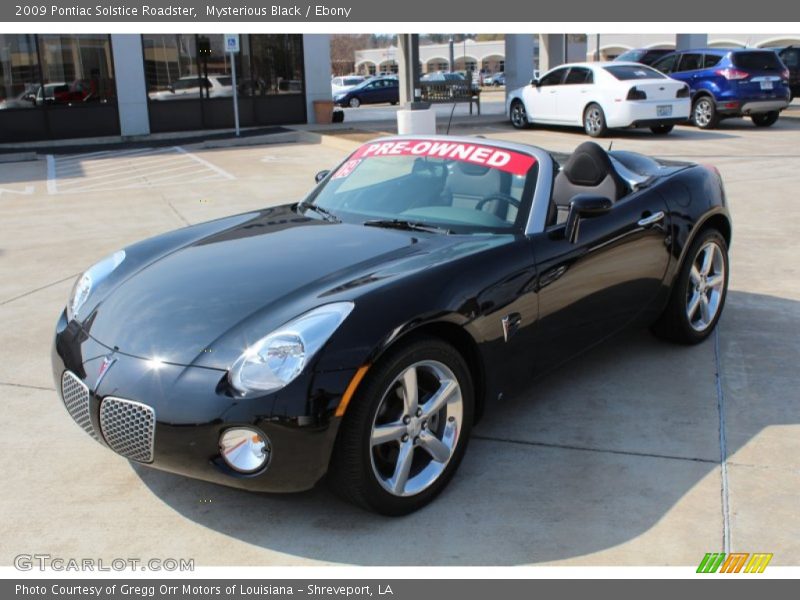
column 323, row 212
column 407, row 225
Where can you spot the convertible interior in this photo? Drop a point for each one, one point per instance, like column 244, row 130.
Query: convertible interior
column 460, row 193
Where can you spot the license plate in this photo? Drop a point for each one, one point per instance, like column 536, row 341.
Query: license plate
column 766, row 85
column 664, row 111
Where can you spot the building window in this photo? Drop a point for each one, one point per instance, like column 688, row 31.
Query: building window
column 76, row 70
column 46, row 79
column 276, row 65
column 19, row 71
column 190, row 80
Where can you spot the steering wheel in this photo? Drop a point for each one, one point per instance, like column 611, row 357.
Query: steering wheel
column 504, row 198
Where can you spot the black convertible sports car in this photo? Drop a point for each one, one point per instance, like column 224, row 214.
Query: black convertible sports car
column 361, row 332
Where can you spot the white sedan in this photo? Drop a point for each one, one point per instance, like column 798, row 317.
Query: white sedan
column 601, row 96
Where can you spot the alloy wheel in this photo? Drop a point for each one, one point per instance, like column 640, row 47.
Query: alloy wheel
column 593, row 121
column 706, row 286
column 703, row 112
column 416, row 428
column 518, row 116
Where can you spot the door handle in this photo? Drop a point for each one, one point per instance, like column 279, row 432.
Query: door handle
column 651, row 219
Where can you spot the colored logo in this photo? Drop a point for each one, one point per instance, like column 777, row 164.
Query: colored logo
column 735, row 562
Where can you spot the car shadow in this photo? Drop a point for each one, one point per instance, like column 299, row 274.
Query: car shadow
column 592, row 457
column 681, row 133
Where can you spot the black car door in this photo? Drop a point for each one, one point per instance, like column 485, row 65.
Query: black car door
column 592, row 288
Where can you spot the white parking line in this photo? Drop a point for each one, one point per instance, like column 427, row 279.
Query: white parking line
column 129, row 169
column 204, row 162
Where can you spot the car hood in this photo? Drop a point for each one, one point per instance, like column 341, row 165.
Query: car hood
column 204, row 302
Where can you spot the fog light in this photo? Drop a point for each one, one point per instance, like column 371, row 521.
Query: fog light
column 244, row 450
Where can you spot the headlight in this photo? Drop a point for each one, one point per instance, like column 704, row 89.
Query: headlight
column 94, row 275
column 277, row 359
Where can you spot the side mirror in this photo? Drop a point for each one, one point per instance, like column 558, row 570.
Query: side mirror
column 535, row 82
column 584, row 206
column 321, row 175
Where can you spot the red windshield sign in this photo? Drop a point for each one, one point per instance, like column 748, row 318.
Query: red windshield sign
column 515, row 163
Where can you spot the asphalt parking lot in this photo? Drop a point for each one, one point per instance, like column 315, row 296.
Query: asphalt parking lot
column 612, row 460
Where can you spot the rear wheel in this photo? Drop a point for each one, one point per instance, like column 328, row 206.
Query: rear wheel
column 765, row 119
column 519, row 118
column 661, row 129
column 699, row 291
column 406, row 429
column 355, row 102
column 594, row 121
column 704, row 113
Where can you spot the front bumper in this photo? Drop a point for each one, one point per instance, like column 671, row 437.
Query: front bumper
column 189, row 408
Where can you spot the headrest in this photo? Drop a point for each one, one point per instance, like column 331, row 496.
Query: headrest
column 471, row 169
column 589, row 165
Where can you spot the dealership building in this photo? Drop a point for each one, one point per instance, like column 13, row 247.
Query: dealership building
column 88, row 85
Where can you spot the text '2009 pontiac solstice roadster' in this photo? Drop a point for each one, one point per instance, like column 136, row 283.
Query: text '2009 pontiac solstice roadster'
column 360, row 332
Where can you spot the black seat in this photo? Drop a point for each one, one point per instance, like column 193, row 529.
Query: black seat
column 588, row 170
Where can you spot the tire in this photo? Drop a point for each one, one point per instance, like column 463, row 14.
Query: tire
column 354, row 102
column 594, row 121
column 685, row 320
column 518, row 114
column 392, row 103
column 370, row 474
column 661, row 129
column 765, row 119
column 704, row 113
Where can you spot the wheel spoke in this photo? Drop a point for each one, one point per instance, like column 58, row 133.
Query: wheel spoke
column 410, row 390
column 446, row 391
column 705, row 313
column 691, row 309
column 434, row 446
column 715, row 281
column 391, row 432
column 708, row 259
column 694, row 275
column 402, row 468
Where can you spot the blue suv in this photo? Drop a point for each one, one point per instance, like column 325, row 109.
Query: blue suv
column 730, row 83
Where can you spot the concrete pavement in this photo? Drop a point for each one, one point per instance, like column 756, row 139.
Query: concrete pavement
column 612, row 460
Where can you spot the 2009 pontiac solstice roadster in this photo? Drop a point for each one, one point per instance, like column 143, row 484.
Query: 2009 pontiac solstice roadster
column 360, row 332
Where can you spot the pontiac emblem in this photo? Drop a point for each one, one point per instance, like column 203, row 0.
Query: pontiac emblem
column 104, row 367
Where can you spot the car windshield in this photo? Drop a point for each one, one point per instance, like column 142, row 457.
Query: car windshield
column 456, row 186
column 351, row 81
column 628, row 72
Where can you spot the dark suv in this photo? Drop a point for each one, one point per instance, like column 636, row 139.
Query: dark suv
column 645, row 56
column 730, row 83
column 791, row 58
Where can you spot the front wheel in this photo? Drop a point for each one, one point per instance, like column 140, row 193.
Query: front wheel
column 704, row 113
column 519, row 117
column 594, row 121
column 765, row 119
column 661, row 129
column 355, row 102
column 406, row 429
column 698, row 293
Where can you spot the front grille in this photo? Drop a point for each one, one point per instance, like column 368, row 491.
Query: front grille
column 129, row 428
column 76, row 399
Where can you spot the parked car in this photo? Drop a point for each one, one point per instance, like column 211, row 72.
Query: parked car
column 344, row 83
column 215, row 86
column 448, row 77
column 24, row 99
column 371, row 91
column 497, row 79
column 360, row 333
column 729, row 83
column 601, row 96
column 645, row 56
column 791, row 58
